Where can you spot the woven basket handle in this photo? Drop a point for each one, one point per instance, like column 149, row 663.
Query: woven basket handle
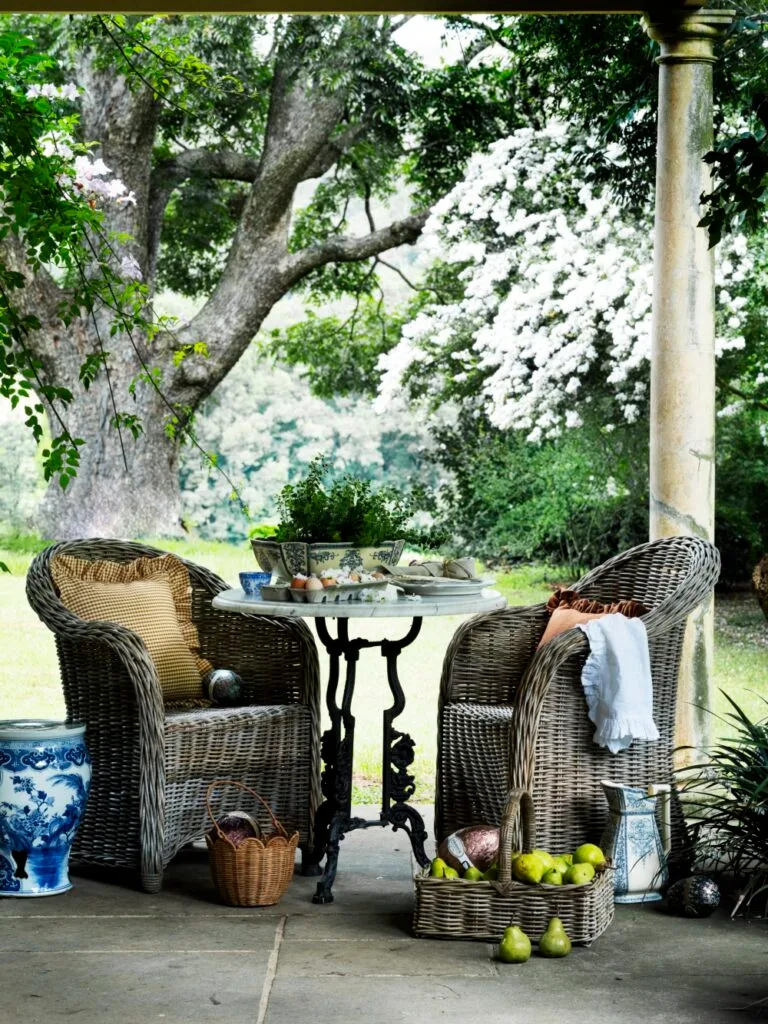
column 519, row 802
column 247, row 789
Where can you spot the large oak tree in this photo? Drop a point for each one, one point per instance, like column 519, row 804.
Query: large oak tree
column 214, row 123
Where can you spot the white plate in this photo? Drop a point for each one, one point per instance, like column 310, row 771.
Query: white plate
column 441, row 586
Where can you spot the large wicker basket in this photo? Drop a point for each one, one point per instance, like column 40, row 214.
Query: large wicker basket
column 458, row 909
column 256, row 872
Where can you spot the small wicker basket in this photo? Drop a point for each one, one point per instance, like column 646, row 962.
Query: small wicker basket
column 256, row 872
column 458, row 909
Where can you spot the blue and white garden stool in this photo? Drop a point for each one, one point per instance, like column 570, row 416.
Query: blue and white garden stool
column 45, row 774
column 633, row 842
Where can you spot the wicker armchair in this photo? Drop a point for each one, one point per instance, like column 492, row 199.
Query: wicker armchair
column 510, row 716
column 151, row 768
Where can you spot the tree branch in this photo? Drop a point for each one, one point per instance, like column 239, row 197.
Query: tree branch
column 348, row 249
column 745, row 396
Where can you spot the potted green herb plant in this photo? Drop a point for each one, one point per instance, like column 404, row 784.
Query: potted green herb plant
column 342, row 524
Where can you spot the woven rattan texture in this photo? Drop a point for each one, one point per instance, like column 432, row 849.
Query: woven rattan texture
column 551, row 750
column 151, row 768
column 256, row 872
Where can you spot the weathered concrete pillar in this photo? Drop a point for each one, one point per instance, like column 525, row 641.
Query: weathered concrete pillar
column 683, row 357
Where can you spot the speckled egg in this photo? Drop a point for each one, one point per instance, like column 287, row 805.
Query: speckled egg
column 697, row 896
column 223, row 686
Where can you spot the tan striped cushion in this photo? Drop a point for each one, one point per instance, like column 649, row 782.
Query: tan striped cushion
column 151, row 597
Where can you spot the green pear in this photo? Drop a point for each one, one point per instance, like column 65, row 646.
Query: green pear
column 562, row 865
column 546, row 859
column 579, row 874
column 473, row 874
column 515, row 946
column 492, row 873
column 450, row 872
column 554, row 942
column 588, row 853
column 528, row 868
column 567, row 857
column 553, row 877
column 438, row 868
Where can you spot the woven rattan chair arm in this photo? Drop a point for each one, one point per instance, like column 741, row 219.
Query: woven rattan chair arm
column 489, row 654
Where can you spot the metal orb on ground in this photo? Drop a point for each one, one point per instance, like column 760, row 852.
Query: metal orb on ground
column 223, row 686
column 697, row 896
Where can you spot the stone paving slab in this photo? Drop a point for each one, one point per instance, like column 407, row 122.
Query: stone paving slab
column 513, row 998
column 136, row 934
column 130, row 988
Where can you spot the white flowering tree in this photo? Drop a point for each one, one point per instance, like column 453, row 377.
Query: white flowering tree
column 556, row 276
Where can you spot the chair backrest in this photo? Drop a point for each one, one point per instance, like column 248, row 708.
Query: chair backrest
column 568, row 765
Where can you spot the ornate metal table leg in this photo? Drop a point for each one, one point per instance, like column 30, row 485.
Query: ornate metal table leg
column 341, row 749
column 398, row 784
column 329, row 746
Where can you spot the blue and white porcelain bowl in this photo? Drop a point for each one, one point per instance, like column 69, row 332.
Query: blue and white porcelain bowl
column 252, row 582
column 45, row 775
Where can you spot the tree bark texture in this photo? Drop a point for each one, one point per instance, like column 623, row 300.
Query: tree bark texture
column 301, row 141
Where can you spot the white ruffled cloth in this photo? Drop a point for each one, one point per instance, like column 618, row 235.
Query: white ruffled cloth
column 617, row 682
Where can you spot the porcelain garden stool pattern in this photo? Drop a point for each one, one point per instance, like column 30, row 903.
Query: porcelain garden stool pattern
column 45, row 775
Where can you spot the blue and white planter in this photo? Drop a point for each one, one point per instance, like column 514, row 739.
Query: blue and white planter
column 45, row 775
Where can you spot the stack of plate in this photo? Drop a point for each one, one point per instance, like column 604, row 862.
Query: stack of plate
column 439, row 586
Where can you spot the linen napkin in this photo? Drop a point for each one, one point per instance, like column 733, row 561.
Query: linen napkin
column 617, row 682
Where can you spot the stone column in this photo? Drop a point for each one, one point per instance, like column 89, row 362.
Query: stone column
column 683, row 358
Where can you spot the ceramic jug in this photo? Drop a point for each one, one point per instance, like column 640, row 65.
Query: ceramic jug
column 633, row 842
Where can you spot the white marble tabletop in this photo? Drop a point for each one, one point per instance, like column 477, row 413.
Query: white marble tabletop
column 236, row 601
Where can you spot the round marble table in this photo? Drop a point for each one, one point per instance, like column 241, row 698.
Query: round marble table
column 334, row 816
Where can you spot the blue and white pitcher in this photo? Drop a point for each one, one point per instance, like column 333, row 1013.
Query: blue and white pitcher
column 633, row 842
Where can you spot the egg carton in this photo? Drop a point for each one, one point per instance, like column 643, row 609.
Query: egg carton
column 335, row 594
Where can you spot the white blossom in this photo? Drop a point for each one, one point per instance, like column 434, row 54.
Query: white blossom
column 558, row 287
column 53, row 92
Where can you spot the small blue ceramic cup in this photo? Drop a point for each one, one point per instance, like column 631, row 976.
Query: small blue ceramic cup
column 252, row 582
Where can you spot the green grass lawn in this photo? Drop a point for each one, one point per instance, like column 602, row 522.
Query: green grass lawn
column 29, row 683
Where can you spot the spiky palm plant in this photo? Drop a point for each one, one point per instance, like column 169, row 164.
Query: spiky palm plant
column 726, row 803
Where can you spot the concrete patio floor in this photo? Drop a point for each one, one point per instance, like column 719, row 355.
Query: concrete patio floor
column 105, row 953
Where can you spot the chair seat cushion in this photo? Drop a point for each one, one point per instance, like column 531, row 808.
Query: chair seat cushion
column 149, row 596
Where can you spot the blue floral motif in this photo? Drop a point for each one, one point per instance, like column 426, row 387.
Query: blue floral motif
column 8, row 880
column 351, row 560
column 38, row 759
column 5, row 758
column 77, row 755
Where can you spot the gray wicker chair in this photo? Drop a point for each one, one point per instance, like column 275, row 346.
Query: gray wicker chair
column 151, row 767
column 510, row 716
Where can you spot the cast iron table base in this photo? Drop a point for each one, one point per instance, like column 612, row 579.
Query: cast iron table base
column 334, row 817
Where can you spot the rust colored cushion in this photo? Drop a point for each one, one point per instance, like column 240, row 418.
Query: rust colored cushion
column 571, row 599
column 566, row 618
column 151, row 597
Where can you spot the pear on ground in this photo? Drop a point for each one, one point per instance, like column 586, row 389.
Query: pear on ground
column 528, row 868
column 450, row 872
column 554, row 942
column 546, row 859
column 473, row 874
column 553, row 877
column 438, row 868
column 515, row 946
column 588, row 853
column 579, row 874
